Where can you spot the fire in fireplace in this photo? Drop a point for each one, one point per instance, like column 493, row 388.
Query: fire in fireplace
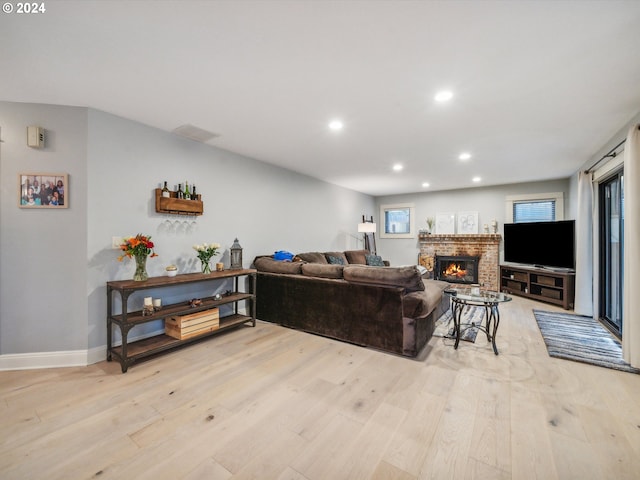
column 457, row 269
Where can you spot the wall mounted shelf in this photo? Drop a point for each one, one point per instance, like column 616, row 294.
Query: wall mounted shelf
column 178, row 206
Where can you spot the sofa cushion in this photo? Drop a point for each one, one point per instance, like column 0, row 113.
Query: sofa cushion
column 268, row 264
column 336, row 258
column 405, row 277
column 357, row 256
column 374, row 260
column 313, row 257
column 322, row 271
column 421, row 304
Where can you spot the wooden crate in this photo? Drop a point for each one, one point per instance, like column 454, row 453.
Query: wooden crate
column 183, row 327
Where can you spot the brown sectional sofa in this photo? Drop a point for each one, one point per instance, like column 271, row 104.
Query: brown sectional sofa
column 388, row 308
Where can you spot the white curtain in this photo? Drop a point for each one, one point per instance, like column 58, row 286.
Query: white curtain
column 584, row 246
column 631, row 310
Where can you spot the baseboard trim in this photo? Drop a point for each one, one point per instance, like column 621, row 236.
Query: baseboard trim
column 29, row 361
column 71, row 358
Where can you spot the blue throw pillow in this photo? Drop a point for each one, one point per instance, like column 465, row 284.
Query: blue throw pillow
column 335, row 260
column 374, row 260
column 283, row 256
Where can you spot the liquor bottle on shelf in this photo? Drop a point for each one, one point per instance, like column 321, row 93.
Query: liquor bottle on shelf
column 165, row 191
column 194, row 195
column 180, row 193
column 187, row 193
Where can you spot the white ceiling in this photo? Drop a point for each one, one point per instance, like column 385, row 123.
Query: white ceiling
column 539, row 86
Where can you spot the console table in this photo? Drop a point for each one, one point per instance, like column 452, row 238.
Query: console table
column 129, row 352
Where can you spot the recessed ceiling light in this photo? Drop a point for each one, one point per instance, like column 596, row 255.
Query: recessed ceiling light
column 476, row 179
column 425, row 185
column 464, row 156
column 443, row 96
column 336, row 125
column 397, row 167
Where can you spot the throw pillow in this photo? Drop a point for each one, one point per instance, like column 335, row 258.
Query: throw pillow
column 337, row 255
column 313, row 257
column 374, row 260
column 335, row 260
column 356, row 256
column 283, row 256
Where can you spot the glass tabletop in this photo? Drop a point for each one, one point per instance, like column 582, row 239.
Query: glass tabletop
column 477, row 295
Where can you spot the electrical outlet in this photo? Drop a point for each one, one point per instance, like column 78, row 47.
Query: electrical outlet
column 115, row 242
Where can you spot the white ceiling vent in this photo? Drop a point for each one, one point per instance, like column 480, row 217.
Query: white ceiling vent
column 195, row 133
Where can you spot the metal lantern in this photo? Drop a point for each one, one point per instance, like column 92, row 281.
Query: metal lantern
column 236, row 256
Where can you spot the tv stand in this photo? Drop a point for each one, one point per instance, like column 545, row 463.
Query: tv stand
column 539, row 283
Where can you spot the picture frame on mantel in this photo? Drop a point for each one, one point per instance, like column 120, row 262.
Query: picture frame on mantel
column 446, row 223
column 467, row 223
column 43, row 190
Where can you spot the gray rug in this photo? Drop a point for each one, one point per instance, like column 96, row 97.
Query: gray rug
column 444, row 325
column 582, row 339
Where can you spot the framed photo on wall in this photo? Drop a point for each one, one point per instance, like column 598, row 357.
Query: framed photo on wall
column 43, row 190
column 446, row 223
column 467, row 222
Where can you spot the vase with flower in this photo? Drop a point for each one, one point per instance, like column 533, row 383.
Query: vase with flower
column 140, row 248
column 205, row 252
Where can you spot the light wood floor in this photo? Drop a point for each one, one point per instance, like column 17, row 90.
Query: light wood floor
column 274, row 403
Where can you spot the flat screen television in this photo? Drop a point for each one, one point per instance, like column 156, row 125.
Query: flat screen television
column 543, row 244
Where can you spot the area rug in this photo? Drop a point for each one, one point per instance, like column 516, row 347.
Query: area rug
column 582, row 339
column 470, row 314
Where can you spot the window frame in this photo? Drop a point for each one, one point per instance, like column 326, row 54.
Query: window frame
column 410, row 208
column 557, row 197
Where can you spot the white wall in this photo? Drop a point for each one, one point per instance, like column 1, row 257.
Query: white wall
column 489, row 202
column 55, row 264
column 43, row 304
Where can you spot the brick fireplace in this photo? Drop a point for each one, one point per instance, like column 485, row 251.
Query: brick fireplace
column 484, row 246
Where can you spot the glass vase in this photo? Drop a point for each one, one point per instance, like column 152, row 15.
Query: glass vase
column 206, row 267
column 141, row 268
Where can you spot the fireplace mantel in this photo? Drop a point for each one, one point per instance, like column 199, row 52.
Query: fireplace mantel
column 466, row 238
column 486, row 246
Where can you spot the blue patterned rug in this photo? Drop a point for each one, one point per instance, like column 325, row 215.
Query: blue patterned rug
column 444, row 325
column 582, row 339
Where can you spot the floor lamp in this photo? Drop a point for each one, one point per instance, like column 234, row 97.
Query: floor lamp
column 368, row 228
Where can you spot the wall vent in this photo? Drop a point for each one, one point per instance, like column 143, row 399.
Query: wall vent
column 195, row 133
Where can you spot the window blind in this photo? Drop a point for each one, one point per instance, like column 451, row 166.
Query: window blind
column 536, row 211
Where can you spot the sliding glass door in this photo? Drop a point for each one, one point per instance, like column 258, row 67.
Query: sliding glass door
column 611, row 251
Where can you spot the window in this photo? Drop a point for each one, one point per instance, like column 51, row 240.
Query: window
column 535, row 207
column 398, row 221
column 539, row 211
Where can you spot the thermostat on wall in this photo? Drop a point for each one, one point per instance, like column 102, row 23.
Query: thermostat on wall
column 35, row 137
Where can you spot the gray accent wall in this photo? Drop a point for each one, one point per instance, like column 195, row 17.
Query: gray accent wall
column 55, row 265
column 43, row 274
column 489, row 202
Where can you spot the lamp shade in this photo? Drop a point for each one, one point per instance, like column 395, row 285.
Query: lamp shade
column 366, row 227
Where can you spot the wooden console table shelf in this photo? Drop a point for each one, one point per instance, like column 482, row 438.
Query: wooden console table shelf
column 178, row 206
column 541, row 284
column 129, row 352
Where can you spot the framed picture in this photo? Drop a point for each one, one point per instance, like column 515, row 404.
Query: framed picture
column 446, row 223
column 398, row 221
column 43, row 190
column 467, row 222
